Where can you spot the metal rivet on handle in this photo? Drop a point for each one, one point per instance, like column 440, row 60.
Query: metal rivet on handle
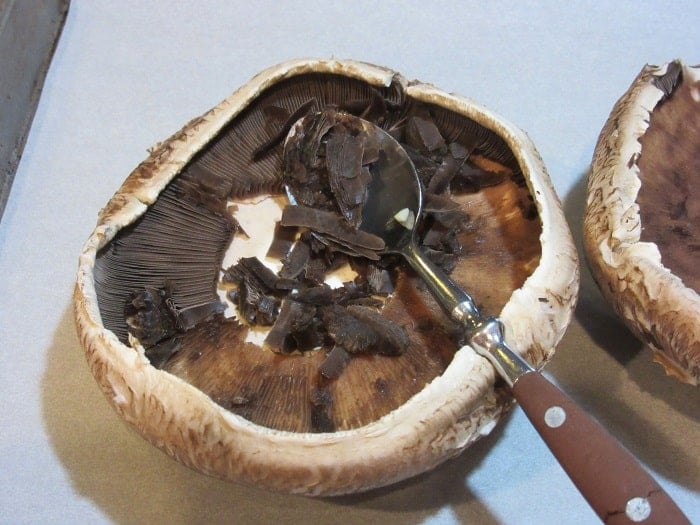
column 638, row 509
column 555, row 416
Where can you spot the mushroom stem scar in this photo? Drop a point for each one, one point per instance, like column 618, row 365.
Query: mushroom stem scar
column 405, row 218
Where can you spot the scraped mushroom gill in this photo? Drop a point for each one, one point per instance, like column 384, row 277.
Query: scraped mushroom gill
column 669, row 170
column 333, row 357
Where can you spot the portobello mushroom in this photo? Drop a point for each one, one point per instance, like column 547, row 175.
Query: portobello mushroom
column 642, row 219
column 328, row 414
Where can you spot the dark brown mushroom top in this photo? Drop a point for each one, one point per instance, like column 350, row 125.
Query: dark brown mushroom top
column 159, row 279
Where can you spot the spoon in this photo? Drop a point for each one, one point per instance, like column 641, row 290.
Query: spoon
column 618, row 489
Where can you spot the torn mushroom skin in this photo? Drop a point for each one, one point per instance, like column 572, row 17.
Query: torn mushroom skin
column 372, row 351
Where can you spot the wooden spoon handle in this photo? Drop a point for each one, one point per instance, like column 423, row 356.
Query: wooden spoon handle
column 611, row 480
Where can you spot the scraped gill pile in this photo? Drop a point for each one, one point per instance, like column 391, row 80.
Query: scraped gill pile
column 334, row 357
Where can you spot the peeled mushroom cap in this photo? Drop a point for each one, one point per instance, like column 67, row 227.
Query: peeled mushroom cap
column 447, row 415
column 651, row 136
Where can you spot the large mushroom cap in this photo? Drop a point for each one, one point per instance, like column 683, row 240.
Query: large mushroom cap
column 642, row 221
column 199, row 385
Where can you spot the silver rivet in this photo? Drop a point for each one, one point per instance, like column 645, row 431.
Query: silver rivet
column 638, row 509
column 555, row 416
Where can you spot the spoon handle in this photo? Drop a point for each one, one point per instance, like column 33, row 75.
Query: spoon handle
column 617, row 488
column 453, row 299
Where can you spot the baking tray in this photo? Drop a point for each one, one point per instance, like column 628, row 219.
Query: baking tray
column 29, row 31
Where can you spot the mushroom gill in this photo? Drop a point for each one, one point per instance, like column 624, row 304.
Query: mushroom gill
column 178, row 245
